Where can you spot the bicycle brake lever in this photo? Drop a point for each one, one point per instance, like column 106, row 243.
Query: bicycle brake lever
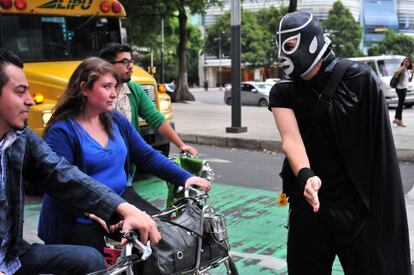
column 144, row 249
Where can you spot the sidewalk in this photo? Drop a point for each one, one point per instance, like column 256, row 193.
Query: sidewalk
column 201, row 123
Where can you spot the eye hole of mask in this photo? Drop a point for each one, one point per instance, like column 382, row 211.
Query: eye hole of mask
column 291, row 44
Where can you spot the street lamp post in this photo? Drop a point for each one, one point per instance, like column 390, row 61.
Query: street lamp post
column 162, row 51
column 220, row 68
column 220, row 76
column 235, row 70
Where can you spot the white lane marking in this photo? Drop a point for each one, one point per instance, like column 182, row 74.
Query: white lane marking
column 265, row 260
column 214, row 160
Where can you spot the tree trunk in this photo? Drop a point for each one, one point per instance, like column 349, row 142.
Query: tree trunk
column 293, row 5
column 182, row 92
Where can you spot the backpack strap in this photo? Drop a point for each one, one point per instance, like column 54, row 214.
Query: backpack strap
column 325, row 98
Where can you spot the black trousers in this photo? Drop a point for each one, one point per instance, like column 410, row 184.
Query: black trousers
column 314, row 239
column 93, row 234
column 401, row 99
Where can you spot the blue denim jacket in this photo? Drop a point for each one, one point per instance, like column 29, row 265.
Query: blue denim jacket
column 30, row 159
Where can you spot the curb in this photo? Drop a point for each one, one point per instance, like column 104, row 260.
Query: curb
column 230, row 142
column 261, row 145
column 405, row 155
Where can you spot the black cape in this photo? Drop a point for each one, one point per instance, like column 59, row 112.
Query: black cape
column 360, row 122
column 361, row 125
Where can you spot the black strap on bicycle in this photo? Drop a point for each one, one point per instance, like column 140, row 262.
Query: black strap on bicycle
column 184, row 200
column 325, row 98
column 182, row 226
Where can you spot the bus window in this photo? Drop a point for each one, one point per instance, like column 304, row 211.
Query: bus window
column 55, row 40
column 90, row 34
column 23, row 36
column 57, row 37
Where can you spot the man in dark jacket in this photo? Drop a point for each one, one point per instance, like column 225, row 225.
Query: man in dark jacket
column 347, row 199
column 25, row 156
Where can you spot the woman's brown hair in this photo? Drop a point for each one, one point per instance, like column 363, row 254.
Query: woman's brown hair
column 411, row 63
column 73, row 102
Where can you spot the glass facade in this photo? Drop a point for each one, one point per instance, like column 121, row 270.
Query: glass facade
column 320, row 8
column 252, row 5
column 406, row 16
column 378, row 17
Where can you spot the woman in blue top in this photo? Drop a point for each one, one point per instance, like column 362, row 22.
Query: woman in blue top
column 102, row 143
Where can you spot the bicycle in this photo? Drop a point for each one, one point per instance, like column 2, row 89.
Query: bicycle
column 211, row 246
column 206, row 233
column 189, row 214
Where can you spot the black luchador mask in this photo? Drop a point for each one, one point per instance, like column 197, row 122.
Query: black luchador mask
column 310, row 47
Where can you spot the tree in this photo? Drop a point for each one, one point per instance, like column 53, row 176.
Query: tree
column 393, row 43
column 269, row 19
column 194, row 45
column 343, row 30
column 253, row 42
column 149, row 14
column 220, row 29
column 254, row 38
column 147, row 11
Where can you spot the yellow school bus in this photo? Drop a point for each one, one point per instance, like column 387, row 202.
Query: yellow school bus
column 53, row 36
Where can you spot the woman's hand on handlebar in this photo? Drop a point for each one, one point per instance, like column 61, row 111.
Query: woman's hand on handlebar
column 200, row 182
column 135, row 219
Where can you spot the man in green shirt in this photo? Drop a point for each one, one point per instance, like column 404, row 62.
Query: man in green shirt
column 132, row 100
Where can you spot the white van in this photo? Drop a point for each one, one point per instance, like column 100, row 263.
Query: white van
column 385, row 66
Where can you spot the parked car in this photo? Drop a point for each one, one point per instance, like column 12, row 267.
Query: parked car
column 252, row 93
column 167, row 87
column 227, row 86
column 272, row 81
column 385, row 66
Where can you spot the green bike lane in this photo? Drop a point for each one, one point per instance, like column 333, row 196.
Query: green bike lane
column 256, row 224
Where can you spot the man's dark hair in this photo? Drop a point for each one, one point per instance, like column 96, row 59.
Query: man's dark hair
column 110, row 51
column 7, row 57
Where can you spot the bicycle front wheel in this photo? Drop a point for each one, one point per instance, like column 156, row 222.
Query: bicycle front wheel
column 231, row 267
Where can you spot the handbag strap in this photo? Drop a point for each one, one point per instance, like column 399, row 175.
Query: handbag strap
column 325, row 98
column 182, row 226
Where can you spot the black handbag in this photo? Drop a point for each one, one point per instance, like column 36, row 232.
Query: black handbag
column 394, row 81
column 180, row 240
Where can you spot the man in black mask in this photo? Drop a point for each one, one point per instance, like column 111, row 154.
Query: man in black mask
column 347, row 198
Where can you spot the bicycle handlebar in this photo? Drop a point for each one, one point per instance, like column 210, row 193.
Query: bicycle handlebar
column 133, row 241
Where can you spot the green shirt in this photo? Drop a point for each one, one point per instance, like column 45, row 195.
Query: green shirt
column 142, row 106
